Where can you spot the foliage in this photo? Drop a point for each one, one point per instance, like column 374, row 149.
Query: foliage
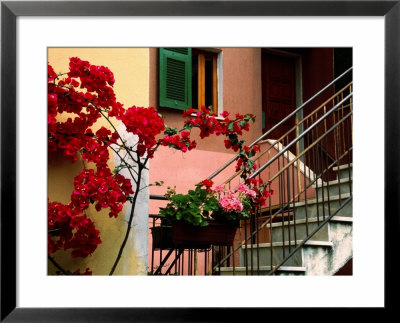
column 194, row 207
column 203, row 204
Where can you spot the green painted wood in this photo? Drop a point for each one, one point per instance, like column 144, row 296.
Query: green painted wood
column 176, row 78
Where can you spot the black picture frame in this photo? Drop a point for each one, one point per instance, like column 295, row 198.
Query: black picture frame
column 10, row 10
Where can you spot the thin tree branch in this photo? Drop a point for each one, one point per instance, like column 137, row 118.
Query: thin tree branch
column 65, row 272
column 129, row 167
column 121, row 249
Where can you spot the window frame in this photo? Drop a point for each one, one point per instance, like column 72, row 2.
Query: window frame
column 201, row 81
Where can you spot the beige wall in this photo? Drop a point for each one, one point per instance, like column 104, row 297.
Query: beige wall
column 131, row 71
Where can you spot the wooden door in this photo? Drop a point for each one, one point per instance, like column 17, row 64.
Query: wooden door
column 278, row 93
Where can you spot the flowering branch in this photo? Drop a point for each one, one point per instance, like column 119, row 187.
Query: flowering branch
column 69, row 227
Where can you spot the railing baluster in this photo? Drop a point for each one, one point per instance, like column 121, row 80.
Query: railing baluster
column 294, row 201
column 251, row 244
column 152, row 249
column 287, row 201
column 314, row 154
column 321, row 167
column 328, row 176
column 246, row 262
column 161, row 253
column 349, row 160
column 307, row 162
column 282, row 203
column 184, row 269
column 219, row 260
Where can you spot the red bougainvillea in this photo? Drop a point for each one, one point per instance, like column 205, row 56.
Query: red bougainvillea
column 79, row 98
column 68, row 229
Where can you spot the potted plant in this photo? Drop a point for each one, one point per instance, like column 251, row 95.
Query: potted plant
column 206, row 216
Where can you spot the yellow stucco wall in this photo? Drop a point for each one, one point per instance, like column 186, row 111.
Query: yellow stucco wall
column 131, row 71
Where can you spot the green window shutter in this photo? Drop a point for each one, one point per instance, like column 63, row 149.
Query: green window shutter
column 176, row 78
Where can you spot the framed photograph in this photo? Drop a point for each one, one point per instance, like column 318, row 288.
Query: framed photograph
column 287, row 33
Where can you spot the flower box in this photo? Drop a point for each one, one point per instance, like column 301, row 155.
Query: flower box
column 182, row 235
column 162, row 237
column 185, row 235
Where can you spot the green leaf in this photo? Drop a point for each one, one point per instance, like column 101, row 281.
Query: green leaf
column 250, row 163
column 170, row 131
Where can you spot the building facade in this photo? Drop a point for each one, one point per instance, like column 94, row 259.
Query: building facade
column 267, row 82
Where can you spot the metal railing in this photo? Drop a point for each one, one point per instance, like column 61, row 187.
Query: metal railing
column 309, row 168
column 302, row 182
column 169, row 259
column 292, row 114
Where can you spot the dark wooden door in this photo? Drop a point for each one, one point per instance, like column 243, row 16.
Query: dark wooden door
column 278, row 93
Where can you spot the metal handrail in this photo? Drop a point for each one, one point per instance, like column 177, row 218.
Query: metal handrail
column 292, row 129
column 259, row 170
column 313, row 144
column 157, row 197
column 281, row 122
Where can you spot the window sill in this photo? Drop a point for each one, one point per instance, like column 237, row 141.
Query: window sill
column 218, row 117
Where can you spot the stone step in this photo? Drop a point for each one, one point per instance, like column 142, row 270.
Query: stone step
column 343, row 170
column 343, row 219
column 280, row 231
column 263, row 270
column 334, row 187
column 316, row 210
column 311, row 254
column 301, row 232
column 280, row 250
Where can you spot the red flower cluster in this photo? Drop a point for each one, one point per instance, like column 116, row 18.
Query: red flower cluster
column 208, row 183
column 146, row 124
column 209, row 124
column 103, row 189
column 69, row 230
column 244, row 159
column 85, row 239
column 93, row 78
column 51, row 75
column 228, row 145
column 181, row 142
column 239, row 164
column 84, row 108
column 262, row 193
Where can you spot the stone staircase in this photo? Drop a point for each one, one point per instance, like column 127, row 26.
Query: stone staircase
column 324, row 253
